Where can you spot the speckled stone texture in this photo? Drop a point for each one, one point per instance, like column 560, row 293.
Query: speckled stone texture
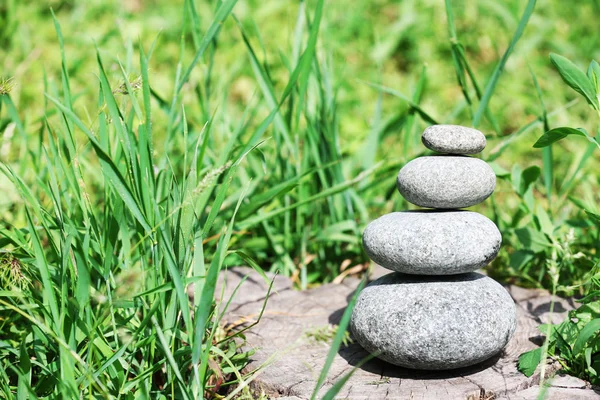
column 434, row 323
column 446, row 182
column 432, row 243
column 453, row 139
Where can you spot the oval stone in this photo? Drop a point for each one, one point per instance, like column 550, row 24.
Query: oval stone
column 432, row 242
column 446, row 181
column 453, row 139
column 434, row 323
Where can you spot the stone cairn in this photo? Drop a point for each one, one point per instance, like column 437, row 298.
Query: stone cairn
column 434, row 312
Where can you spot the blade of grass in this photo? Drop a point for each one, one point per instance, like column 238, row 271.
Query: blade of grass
column 304, row 63
column 322, row 195
column 461, row 64
column 267, row 89
column 411, row 139
column 222, row 13
column 190, row 4
column 308, row 57
column 546, row 151
column 427, row 117
column 337, row 340
column 372, row 141
column 337, row 387
column 491, row 86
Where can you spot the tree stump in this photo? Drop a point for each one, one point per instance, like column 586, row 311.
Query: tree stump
column 294, row 335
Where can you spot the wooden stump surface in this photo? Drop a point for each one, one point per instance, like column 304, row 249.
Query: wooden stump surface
column 286, row 342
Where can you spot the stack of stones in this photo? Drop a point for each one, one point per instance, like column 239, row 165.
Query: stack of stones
column 434, row 312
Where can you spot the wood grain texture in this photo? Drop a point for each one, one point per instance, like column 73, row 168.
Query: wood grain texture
column 285, row 340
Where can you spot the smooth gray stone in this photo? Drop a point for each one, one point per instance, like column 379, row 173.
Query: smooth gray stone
column 453, row 139
column 434, row 323
column 446, row 181
column 432, row 242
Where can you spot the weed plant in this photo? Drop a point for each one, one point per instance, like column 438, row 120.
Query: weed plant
column 574, row 343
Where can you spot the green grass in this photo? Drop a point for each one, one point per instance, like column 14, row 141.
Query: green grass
column 144, row 147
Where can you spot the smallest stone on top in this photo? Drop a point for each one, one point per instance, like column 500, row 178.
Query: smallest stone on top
column 453, row 139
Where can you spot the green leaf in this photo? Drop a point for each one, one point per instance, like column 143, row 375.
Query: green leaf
column 565, row 335
column 554, row 135
column 532, row 239
column 594, row 217
column 585, row 335
column 529, row 361
column 45, row 272
column 308, row 56
column 547, row 163
column 250, row 261
column 576, row 167
column 588, row 312
column 276, row 191
column 251, row 221
column 588, row 361
column 544, row 221
column 520, row 258
column 543, row 328
column 523, row 182
column 528, row 178
column 593, row 74
column 25, row 372
column 498, row 170
column 575, row 78
column 267, row 87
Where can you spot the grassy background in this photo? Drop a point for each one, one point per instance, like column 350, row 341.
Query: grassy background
column 145, row 146
column 404, row 46
column 376, row 41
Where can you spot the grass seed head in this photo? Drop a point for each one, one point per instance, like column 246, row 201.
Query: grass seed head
column 13, row 273
column 6, row 85
column 135, row 82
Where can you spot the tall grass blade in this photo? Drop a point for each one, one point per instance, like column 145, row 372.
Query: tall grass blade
column 319, row 196
column 337, row 387
column 426, row 116
column 462, row 67
column 491, row 86
column 337, row 340
column 547, row 161
column 207, row 295
column 267, row 89
column 222, row 13
column 308, row 56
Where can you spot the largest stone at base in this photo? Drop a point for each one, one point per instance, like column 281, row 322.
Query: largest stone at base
column 434, row 322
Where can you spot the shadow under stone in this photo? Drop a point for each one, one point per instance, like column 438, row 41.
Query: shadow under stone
column 354, row 354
